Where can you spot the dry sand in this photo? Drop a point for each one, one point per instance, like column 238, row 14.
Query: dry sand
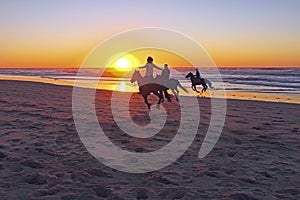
column 42, row 157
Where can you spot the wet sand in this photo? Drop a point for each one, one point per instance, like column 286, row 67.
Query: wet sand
column 42, row 157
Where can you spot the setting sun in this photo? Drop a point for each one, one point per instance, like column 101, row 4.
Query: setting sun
column 123, row 63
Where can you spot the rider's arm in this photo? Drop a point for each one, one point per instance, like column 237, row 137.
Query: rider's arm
column 157, row 67
column 142, row 67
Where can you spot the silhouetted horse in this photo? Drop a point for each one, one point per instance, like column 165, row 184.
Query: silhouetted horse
column 147, row 87
column 172, row 84
column 198, row 81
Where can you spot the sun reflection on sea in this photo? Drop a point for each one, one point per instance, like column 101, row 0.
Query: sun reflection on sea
column 121, row 86
column 125, row 87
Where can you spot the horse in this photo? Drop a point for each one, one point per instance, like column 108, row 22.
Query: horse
column 147, row 87
column 172, row 84
column 198, row 81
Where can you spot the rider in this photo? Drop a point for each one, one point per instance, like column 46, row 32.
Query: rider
column 149, row 70
column 165, row 74
column 149, row 73
column 197, row 74
column 149, row 67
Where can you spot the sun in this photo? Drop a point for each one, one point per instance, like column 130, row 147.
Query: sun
column 123, row 63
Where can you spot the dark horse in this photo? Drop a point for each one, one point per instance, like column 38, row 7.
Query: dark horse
column 149, row 86
column 198, row 81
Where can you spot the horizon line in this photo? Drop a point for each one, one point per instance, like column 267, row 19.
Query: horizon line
column 95, row 67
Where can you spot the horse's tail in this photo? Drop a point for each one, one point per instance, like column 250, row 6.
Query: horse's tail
column 209, row 83
column 179, row 84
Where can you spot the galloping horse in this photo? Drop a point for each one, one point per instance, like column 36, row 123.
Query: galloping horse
column 147, row 87
column 198, row 81
column 172, row 84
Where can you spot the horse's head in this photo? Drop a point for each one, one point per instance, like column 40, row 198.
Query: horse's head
column 190, row 74
column 135, row 76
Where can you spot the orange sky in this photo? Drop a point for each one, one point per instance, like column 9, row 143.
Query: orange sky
column 72, row 55
column 60, row 34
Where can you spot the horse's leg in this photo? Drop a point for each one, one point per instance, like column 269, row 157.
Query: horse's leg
column 146, row 101
column 160, row 96
column 175, row 92
column 205, row 88
column 167, row 95
column 195, row 88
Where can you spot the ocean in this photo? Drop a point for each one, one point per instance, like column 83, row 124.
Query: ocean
column 283, row 81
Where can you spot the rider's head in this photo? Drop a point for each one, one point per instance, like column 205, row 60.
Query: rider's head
column 166, row 65
column 149, row 59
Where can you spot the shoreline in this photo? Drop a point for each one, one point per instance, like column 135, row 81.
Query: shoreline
column 237, row 95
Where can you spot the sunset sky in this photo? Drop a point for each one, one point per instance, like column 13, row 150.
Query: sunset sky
column 60, row 33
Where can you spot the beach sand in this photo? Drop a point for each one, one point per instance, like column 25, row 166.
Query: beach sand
column 42, row 157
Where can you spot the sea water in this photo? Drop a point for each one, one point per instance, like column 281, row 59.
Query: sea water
column 257, row 80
